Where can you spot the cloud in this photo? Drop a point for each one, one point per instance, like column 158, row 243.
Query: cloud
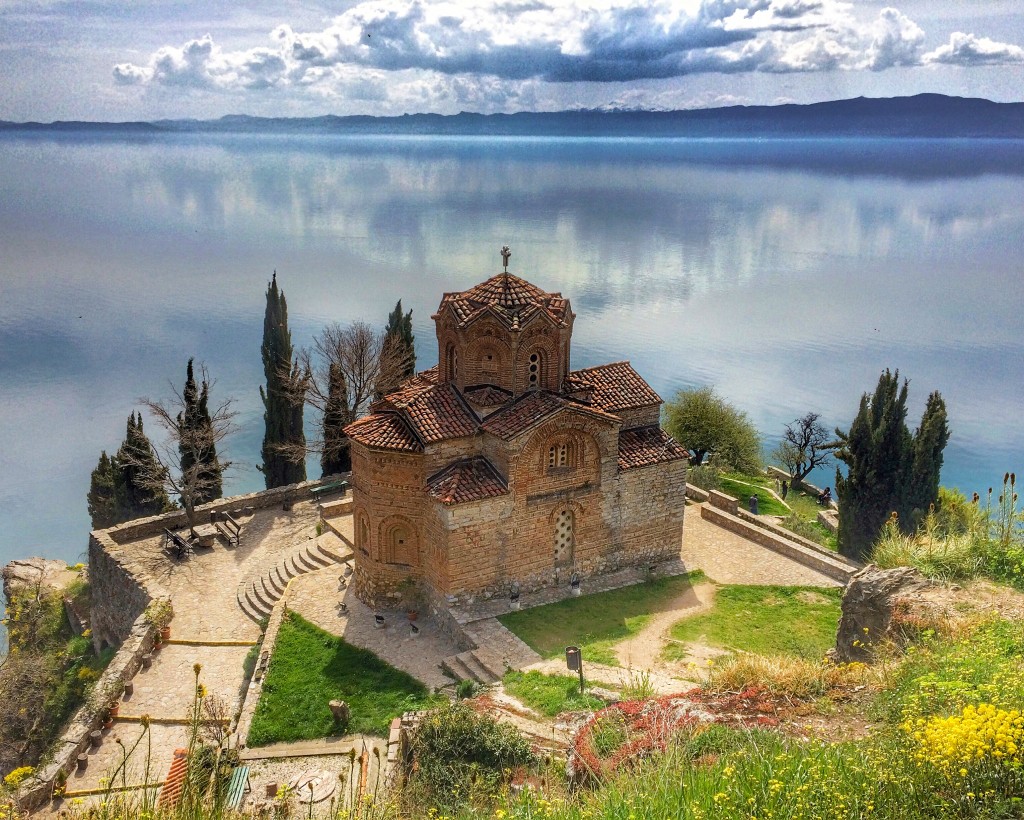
column 495, row 54
column 969, row 50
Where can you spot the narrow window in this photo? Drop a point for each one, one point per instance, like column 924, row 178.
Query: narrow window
column 534, row 369
column 564, row 537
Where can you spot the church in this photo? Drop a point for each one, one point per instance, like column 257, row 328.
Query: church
column 502, row 469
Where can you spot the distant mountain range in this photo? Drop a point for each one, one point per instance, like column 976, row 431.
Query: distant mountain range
column 923, row 115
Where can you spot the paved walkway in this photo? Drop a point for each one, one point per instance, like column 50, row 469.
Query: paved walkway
column 731, row 559
column 316, row 597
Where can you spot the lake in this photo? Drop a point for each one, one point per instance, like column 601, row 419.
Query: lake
column 788, row 274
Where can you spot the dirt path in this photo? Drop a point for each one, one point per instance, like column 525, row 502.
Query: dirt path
column 643, row 649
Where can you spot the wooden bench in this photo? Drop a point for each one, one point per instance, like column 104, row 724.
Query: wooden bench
column 176, row 545
column 328, row 489
column 229, row 528
column 237, row 786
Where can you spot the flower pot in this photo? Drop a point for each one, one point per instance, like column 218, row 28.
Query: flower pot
column 412, row 614
column 165, row 633
column 113, row 710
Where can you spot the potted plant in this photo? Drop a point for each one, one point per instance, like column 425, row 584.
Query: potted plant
column 159, row 613
column 411, row 599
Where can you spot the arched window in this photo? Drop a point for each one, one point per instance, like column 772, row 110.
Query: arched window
column 400, row 546
column 535, row 369
column 364, row 536
column 565, row 537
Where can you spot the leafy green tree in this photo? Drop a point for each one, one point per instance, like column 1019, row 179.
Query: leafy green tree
column 705, row 423
column 889, row 470
column 135, row 459
column 197, row 444
column 336, row 457
column 399, row 333
column 284, row 442
column 103, row 496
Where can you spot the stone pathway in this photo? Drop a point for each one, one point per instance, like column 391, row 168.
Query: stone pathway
column 731, row 559
column 316, row 597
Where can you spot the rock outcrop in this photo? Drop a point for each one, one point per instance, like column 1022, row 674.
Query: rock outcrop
column 878, row 606
column 35, row 572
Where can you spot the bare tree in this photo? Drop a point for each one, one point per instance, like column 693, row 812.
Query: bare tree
column 345, row 370
column 181, row 465
column 805, row 445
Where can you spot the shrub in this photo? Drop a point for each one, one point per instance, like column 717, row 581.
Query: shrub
column 461, row 757
column 18, row 776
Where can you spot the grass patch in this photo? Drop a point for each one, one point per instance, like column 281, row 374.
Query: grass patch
column 311, row 667
column 742, row 487
column 549, row 694
column 596, row 622
column 798, row 621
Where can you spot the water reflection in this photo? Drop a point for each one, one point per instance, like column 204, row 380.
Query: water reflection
column 788, row 274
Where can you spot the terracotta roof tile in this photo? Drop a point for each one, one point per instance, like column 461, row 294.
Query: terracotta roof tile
column 435, row 411
column 487, row 395
column 513, row 300
column 643, row 446
column 531, row 408
column 473, row 479
column 615, row 386
column 385, row 430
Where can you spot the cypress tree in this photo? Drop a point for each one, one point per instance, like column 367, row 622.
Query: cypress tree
column 336, row 457
column 930, row 441
column 104, row 508
column 284, row 439
column 196, row 440
column 399, row 334
column 136, row 461
column 888, row 469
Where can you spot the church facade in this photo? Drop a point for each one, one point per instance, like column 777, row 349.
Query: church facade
column 502, row 468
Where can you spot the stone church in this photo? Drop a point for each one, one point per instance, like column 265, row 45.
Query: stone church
column 503, row 468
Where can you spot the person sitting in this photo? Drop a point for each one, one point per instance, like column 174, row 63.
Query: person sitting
column 825, row 496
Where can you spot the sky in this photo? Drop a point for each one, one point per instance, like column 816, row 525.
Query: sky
column 151, row 59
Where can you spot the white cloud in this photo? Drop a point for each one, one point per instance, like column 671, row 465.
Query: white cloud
column 969, row 50
column 494, row 55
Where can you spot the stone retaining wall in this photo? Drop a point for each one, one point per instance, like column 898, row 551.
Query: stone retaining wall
column 38, row 789
column 121, row 591
column 255, row 686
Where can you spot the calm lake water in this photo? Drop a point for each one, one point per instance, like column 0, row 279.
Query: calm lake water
column 788, row 274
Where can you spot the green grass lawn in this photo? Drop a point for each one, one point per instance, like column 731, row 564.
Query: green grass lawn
column 596, row 622
column 311, row 667
column 767, row 504
column 768, row 620
column 802, row 515
column 549, row 694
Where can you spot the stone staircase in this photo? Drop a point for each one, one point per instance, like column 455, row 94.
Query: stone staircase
column 477, row 665
column 257, row 596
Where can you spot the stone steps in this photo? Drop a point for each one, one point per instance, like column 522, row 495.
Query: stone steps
column 469, row 666
column 257, row 596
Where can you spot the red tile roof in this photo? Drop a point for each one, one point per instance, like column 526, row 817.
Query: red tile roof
column 487, row 395
column 385, row 430
column 615, row 386
column 473, row 479
column 532, row 408
column 435, row 411
column 644, row 446
column 513, row 300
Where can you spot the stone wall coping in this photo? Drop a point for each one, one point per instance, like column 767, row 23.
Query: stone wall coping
column 789, row 535
column 696, row 493
column 723, row 501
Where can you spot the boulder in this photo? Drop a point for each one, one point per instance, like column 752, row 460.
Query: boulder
column 870, row 600
column 30, row 573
